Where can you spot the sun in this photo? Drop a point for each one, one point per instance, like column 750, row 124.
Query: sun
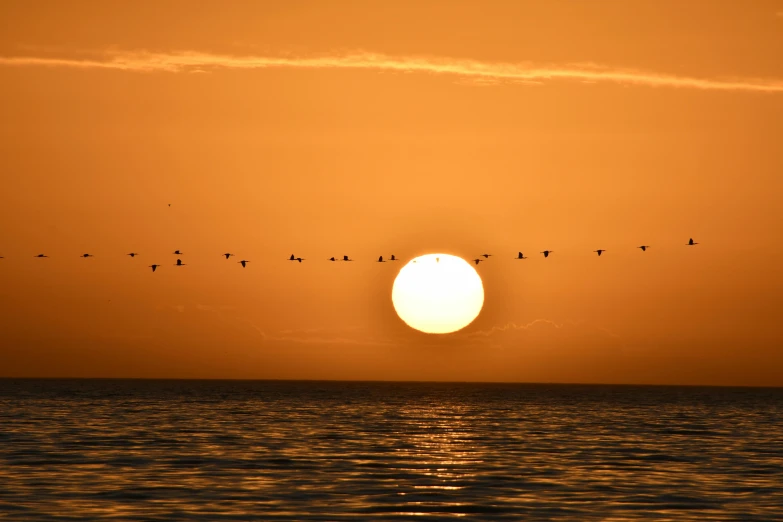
column 438, row 293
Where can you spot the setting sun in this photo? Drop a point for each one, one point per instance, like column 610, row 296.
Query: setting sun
column 438, row 293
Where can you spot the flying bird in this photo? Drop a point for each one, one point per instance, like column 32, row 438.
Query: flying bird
column 154, row 267
column 243, row 262
column 486, row 255
column 691, row 243
column 644, row 247
column 392, row 258
column 86, row 255
column 228, row 255
column 478, row 260
column 177, row 253
column 180, row 263
column 345, row 258
column 330, row 259
column 133, row 254
column 293, row 258
column 300, row 259
column 547, row 252
column 520, row 255
column 380, row 259
column 600, row 251
column 40, row 255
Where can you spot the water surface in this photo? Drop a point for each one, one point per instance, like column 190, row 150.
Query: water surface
column 277, row 450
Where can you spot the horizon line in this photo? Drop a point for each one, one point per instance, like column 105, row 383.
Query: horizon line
column 390, row 381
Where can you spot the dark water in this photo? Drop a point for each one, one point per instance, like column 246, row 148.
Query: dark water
column 222, row 450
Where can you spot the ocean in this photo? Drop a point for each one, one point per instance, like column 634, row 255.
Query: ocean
column 305, row 450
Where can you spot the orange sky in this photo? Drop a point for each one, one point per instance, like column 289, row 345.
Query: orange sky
column 368, row 128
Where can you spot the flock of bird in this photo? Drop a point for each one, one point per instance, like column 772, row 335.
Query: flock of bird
column 546, row 253
column 244, row 262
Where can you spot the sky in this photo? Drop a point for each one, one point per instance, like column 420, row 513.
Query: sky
column 408, row 127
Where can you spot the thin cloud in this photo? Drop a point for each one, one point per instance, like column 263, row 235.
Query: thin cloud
column 514, row 326
column 308, row 336
column 478, row 72
column 569, row 327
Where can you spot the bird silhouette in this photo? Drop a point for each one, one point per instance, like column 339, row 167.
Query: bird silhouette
column 133, row 254
column 486, row 256
column 600, row 251
column 691, row 243
column 228, row 255
column 169, row 205
column 300, row 259
column 644, row 247
column 86, row 255
column 478, row 260
column 346, row 258
column 180, row 263
column 330, row 259
column 243, row 262
column 547, row 252
column 392, row 258
column 177, row 253
column 380, row 259
column 40, row 255
column 520, row 255
column 154, row 267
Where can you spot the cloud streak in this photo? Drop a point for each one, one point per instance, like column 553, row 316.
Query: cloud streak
column 466, row 70
column 317, row 336
column 545, row 325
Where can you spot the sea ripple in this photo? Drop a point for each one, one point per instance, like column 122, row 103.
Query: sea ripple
column 281, row 450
